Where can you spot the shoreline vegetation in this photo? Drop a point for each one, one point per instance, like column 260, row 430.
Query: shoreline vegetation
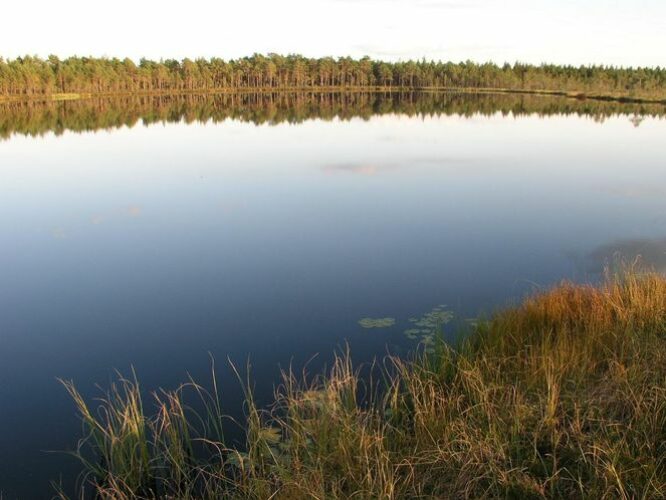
column 580, row 95
column 35, row 118
column 81, row 77
column 561, row 396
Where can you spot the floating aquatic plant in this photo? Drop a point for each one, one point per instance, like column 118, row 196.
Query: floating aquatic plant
column 377, row 322
column 272, row 435
column 412, row 333
column 428, row 326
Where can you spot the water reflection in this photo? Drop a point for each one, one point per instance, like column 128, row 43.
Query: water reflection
column 651, row 252
column 379, row 167
column 36, row 118
column 153, row 246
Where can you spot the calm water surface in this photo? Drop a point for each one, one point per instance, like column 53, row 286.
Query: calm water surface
column 267, row 240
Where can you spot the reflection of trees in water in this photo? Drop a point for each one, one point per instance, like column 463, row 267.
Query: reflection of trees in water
column 36, row 118
column 650, row 252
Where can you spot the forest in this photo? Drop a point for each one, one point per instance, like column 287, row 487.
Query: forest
column 34, row 77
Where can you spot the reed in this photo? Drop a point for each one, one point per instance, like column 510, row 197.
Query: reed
column 563, row 396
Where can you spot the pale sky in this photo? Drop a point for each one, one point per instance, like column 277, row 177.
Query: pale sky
column 618, row 32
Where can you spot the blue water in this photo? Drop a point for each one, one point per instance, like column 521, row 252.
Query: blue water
column 154, row 246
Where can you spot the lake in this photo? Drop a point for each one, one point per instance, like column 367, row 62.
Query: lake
column 155, row 232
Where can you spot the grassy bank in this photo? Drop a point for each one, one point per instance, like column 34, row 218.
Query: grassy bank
column 632, row 97
column 563, row 396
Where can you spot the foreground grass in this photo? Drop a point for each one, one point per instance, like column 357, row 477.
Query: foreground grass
column 563, row 396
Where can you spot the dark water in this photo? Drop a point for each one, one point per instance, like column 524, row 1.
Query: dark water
column 265, row 227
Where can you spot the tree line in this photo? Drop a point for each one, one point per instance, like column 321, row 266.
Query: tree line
column 33, row 76
column 35, row 117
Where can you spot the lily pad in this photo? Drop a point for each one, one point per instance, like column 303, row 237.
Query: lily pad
column 377, row 322
column 238, row 459
column 270, row 434
column 429, row 325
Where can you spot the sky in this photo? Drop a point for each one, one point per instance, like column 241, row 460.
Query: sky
column 614, row 32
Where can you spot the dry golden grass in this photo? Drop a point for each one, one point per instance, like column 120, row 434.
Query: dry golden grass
column 563, row 396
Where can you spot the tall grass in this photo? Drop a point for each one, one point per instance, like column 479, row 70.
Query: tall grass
column 563, row 396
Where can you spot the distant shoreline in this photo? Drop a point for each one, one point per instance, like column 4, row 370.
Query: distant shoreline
column 77, row 77
column 73, row 96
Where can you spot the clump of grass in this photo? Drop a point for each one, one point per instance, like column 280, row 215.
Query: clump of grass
column 171, row 452
column 563, row 396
